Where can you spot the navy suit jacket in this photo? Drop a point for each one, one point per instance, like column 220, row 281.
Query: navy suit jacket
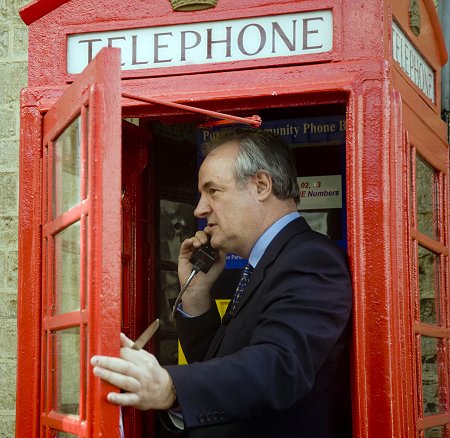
column 279, row 367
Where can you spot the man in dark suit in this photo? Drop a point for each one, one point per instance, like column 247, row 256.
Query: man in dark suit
column 277, row 364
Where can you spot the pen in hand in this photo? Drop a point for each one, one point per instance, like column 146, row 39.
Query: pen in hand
column 146, row 335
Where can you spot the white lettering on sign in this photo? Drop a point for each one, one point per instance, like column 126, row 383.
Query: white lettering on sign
column 210, row 42
column 318, row 192
column 412, row 63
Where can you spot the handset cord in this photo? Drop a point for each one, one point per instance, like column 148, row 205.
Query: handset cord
column 194, row 271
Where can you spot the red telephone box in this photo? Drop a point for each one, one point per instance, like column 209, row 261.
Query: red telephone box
column 104, row 201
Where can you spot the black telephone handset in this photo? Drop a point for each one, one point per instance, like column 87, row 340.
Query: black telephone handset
column 202, row 259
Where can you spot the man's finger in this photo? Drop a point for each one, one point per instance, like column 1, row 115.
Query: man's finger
column 123, row 398
column 125, row 341
column 115, row 364
column 202, row 237
column 112, row 363
column 122, row 381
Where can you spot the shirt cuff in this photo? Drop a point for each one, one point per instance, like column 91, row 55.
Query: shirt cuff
column 176, row 417
column 182, row 312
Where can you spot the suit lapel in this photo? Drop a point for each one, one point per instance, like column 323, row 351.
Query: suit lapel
column 297, row 226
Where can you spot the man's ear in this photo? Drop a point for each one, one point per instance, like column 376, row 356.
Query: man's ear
column 263, row 183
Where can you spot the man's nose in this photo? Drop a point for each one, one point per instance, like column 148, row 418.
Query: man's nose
column 203, row 209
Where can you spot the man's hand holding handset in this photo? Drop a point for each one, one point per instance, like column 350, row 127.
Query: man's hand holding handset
column 197, row 298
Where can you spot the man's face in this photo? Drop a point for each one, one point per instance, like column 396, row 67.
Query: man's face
column 232, row 213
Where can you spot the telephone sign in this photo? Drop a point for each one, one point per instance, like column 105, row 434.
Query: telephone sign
column 210, row 42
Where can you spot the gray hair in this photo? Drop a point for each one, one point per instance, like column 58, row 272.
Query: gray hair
column 260, row 151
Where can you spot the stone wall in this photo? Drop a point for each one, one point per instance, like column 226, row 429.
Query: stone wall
column 13, row 77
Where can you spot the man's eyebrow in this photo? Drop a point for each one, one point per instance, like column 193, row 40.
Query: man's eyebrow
column 206, row 185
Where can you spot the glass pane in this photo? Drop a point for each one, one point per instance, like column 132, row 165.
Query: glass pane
column 169, row 288
column 45, row 277
column 67, row 269
column 86, row 372
column 411, row 198
column 66, row 169
column 176, row 223
column 66, row 370
column 434, row 432
column 428, row 285
column 426, row 190
column 430, row 381
column 84, row 275
column 86, row 155
column 168, row 340
column 59, row 434
column 45, row 347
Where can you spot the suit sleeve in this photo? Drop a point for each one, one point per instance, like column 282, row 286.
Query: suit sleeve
column 303, row 303
column 196, row 333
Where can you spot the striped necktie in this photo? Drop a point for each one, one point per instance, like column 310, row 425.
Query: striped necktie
column 245, row 278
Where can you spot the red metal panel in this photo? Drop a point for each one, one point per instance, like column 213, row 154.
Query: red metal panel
column 135, row 307
column 29, row 297
column 378, row 254
column 38, row 9
column 105, row 236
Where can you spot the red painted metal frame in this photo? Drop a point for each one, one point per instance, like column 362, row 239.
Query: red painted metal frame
column 382, row 365
column 29, row 299
column 38, row 9
column 365, row 193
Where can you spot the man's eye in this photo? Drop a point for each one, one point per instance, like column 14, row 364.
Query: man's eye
column 212, row 191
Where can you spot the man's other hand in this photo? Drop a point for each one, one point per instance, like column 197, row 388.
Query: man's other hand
column 144, row 382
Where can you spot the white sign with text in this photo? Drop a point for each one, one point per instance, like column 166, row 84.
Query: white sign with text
column 210, row 42
column 412, row 62
column 320, row 192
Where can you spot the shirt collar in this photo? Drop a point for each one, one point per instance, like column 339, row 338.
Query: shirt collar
column 264, row 241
